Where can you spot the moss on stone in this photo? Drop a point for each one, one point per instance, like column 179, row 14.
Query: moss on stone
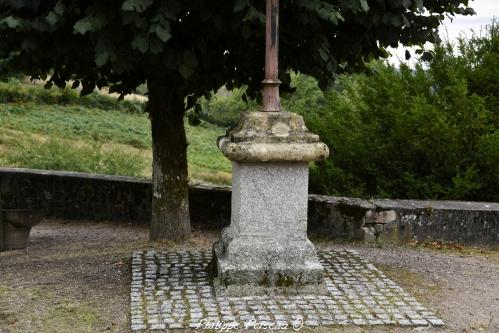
column 285, row 281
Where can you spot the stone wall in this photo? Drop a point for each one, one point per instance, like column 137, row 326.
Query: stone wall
column 77, row 196
column 400, row 221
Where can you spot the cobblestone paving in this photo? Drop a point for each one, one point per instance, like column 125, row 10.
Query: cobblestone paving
column 172, row 290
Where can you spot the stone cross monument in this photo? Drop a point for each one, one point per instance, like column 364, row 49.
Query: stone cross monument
column 265, row 249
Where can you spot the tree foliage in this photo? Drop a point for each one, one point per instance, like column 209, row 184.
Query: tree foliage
column 430, row 132
column 199, row 45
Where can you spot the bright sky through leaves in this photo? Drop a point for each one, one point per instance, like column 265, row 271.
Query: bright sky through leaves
column 486, row 10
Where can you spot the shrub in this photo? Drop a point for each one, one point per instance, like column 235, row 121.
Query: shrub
column 479, row 61
column 429, row 132
column 224, row 108
column 404, row 133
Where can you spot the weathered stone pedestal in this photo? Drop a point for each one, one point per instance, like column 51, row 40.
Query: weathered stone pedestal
column 266, row 249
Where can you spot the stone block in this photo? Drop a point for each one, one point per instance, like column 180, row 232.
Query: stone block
column 368, row 234
column 266, row 246
column 384, row 216
column 270, row 199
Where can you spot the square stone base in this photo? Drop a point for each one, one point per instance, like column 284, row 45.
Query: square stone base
column 258, row 266
column 266, row 249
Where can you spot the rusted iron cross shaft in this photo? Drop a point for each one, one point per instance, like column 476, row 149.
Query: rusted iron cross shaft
column 271, row 100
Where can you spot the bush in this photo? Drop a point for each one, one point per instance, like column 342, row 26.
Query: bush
column 429, row 132
column 479, row 63
column 408, row 133
column 224, row 108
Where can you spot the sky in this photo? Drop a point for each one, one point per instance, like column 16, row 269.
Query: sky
column 485, row 10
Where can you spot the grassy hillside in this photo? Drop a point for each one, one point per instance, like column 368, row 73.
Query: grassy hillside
column 91, row 135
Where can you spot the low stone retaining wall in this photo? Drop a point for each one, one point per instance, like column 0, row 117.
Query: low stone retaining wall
column 400, row 221
column 78, row 196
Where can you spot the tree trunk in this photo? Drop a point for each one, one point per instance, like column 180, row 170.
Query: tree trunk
column 2, row 237
column 170, row 204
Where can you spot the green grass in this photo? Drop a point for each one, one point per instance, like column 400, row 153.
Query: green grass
column 88, row 138
column 54, row 154
column 15, row 91
column 78, row 123
column 70, row 314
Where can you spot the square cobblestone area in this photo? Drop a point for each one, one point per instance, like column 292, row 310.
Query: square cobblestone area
column 173, row 290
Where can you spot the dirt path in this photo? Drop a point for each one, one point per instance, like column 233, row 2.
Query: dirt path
column 74, row 277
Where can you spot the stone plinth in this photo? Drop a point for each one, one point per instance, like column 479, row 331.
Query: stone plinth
column 266, row 248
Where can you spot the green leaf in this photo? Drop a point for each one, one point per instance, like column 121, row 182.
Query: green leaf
column 59, row 8
column 405, row 20
column 332, row 64
column 396, row 20
column 406, row 3
column 324, row 54
column 240, row 5
column 89, row 24
column 419, row 4
column 128, row 6
column 364, row 5
column 141, row 43
column 335, row 17
column 103, row 50
column 101, row 58
column 82, row 26
column 156, row 46
column 185, row 71
column 52, row 18
column 163, row 32
column 254, row 15
column 138, row 6
column 135, row 19
column 12, row 22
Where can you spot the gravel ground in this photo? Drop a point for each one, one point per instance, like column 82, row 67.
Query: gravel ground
column 75, row 276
